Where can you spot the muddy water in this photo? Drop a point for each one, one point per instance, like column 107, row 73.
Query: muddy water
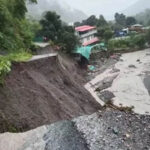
column 131, row 85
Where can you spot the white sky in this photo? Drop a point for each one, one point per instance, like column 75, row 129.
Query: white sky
column 106, row 7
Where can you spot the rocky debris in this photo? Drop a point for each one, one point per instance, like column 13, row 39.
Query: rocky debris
column 114, row 70
column 105, row 83
column 58, row 136
column 115, row 56
column 106, row 96
column 64, row 136
column 106, row 130
column 115, row 130
column 132, row 66
column 101, row 65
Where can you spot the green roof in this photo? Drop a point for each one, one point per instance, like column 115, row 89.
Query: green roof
column 86, row 50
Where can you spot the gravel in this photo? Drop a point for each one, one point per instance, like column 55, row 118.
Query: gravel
column 106, row 130
column 115, row 130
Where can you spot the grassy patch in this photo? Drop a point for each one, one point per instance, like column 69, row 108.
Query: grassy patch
column 19, row 57
column 6, row 61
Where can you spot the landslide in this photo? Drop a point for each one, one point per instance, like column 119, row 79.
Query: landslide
column 42, row 92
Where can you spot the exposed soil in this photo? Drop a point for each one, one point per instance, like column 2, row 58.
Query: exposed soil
column 42, row 92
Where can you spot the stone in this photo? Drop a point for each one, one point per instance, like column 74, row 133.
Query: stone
column 132, row 66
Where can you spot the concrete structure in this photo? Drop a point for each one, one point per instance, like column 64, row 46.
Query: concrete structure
column 87, row 34
column 136, row 27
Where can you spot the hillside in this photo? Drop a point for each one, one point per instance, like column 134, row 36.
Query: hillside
column 42, row 92
column 138, row 7
column 67, row 14
column 144, row 17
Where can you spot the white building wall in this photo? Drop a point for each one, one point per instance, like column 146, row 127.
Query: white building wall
column 87, row 36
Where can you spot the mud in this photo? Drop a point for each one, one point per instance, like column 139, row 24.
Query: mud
column 42, row 92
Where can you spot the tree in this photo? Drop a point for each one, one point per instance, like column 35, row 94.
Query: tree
column 105, row 33
column 59, row 33
column 67, row 39
column 101, row 21
column 108, row 34
column 12, row 23
column 77, row 24
column 120, row 19
column 139, row 40
column 92, row 21
column 51, row 25
column 130, row 21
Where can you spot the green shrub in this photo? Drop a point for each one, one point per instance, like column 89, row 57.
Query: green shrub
column 134, row 41
column 5, row 62
column 5, row 67
column 139, row 41
column 121, row 43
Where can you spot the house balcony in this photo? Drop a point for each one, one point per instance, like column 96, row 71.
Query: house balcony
column 88, row 34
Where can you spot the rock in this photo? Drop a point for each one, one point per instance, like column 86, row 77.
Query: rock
column 138, row 60
column 147, row 54
column 114, row 70
column 106, row 96
column 64, row 136
column 115, row 130
column 105, row 83
column 127, row 135
column 121, row 60
column 132, row 66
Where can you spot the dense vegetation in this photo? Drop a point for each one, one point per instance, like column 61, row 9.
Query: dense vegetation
column 58, row 32
column 131, row 42
column 15, row 34
column 106, row 29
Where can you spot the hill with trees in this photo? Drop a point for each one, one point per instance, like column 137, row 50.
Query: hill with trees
column 139, row 6
column 144, row 17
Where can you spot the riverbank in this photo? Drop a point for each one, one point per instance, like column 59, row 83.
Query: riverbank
column 126, row 82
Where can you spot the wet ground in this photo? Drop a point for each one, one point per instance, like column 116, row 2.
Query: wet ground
column 108, row 129
column 126, row 81
column 147, row 83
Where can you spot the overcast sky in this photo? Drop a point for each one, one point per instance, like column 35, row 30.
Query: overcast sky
column 105, row 7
